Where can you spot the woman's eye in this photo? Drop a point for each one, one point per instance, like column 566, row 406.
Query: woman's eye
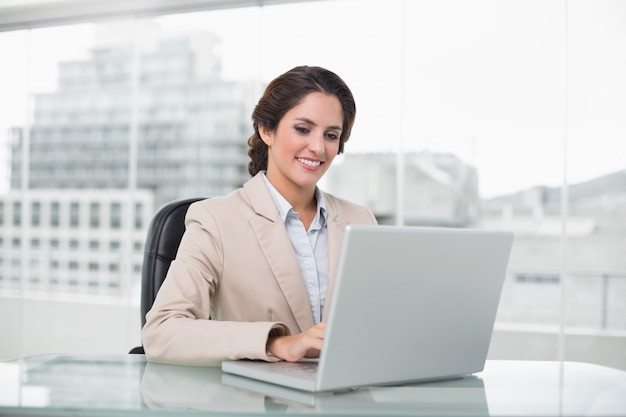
column 332, row 136
column 301, row 129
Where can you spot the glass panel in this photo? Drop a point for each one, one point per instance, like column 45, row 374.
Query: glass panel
column 192, row 118
column 488, row 138
column 596, row 229
column 69, row 139
column 475, row 118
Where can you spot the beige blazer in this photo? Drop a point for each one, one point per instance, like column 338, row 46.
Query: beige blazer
column 236, row 265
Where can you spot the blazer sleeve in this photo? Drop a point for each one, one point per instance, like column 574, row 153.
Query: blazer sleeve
column 178, row 329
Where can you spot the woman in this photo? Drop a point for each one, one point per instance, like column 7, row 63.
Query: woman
column 260, row 262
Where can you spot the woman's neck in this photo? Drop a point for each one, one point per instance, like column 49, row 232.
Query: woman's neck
column 302, row 200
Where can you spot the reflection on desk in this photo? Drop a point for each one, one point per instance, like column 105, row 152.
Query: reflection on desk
column 128, row 385
column 461, row 396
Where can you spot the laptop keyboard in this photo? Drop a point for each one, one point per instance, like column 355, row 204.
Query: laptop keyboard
column 308, row 367
column 305, row 369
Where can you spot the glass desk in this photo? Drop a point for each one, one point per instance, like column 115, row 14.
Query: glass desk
column 126, row 385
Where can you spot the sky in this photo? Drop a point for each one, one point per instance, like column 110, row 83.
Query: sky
column 497, row 83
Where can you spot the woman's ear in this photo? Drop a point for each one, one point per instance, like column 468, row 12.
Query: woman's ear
column 266, row 135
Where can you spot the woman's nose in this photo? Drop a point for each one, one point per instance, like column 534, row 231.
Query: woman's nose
column 316, row 144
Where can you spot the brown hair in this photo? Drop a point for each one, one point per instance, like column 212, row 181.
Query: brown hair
column 284, row 93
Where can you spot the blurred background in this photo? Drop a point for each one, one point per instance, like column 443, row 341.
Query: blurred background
column 492, row 114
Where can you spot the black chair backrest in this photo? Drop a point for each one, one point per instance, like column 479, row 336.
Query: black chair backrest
column 164, row 234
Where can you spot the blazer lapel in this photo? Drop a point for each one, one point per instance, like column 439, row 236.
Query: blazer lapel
column 276, row 246
column 336, row 225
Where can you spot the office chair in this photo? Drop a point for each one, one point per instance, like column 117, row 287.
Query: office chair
column 164, row 234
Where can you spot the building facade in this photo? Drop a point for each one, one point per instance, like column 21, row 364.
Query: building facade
column 124, row 132
column 72, row 241
column 438, row 190
column 177, row 129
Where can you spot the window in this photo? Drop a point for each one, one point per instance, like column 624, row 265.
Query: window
column 17, row 213
column 55, row 214
column 74, row 214
column 35, row 214
column 537, row 278
column 139, row 216
column 116, row 215
column 94, row 215
column 465, row 119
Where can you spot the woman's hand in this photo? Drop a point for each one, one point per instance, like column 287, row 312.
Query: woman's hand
column 307, row 344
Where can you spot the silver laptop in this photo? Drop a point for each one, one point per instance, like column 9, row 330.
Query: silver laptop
column 409, row 304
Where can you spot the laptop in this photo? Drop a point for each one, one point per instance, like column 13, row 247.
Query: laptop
column 409, row 304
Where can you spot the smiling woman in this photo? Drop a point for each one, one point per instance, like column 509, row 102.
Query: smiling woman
column 465, row 119
column 272, row 306
column 300, row 126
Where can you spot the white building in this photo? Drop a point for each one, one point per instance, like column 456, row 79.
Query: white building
column 164, row 124
column 176, row 128
column 439, row 189
column 72, row 241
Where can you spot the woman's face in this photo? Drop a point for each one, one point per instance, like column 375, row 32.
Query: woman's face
column 304, row 144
